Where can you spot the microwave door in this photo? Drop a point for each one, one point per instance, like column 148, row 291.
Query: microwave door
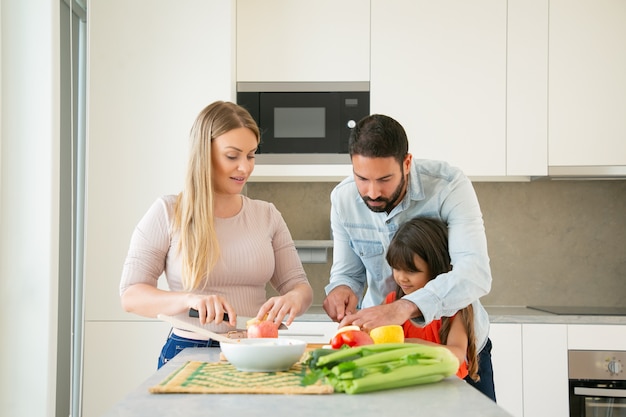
column 305, row 122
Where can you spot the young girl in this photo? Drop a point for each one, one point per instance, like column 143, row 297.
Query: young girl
column 417, row 254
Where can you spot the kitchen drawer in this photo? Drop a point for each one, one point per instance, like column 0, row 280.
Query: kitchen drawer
column 596, row 337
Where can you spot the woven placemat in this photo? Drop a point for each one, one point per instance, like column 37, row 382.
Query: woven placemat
column 196, row 377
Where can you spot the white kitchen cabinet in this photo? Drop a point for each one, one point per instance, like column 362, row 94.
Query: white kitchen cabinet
column 530, row 362
column 439, row 68
column 596, row 337
column 303, row 41
column 545, row 377
column 587, row 84
column 527, row 88
column 506, row 357
column 152, row 66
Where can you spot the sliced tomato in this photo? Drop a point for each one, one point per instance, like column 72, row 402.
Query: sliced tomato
column 351, row 338
column 363, row 338
column 336, row 342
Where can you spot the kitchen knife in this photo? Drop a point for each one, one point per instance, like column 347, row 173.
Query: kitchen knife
column 241, row 320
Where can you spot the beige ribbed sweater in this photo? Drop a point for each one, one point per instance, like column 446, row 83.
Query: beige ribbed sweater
column 256, row 247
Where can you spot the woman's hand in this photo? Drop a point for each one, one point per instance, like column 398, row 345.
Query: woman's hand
column 149, row 301
column 293, row 303
column 211, row 308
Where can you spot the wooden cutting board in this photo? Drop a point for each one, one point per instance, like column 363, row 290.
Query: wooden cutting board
column 196, row 377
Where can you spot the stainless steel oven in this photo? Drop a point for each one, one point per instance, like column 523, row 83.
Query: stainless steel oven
column 597, row 383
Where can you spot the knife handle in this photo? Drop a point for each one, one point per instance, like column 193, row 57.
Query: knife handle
column 194, row 313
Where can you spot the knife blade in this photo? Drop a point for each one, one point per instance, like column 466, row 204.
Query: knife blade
column 241, row 320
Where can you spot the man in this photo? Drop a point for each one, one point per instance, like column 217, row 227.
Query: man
column 388, row 188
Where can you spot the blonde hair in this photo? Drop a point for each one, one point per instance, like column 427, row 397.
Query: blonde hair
column 193, row 212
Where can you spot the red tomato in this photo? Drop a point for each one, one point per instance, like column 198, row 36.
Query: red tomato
column 336, row 342
column 362, row 338
column 351, row 338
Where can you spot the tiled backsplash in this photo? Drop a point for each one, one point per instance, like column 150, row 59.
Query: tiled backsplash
column 550, row 242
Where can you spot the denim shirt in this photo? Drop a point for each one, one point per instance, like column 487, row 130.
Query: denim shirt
column 361, row 238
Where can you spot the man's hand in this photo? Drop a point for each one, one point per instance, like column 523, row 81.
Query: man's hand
column 340, row 302
column 369, row 318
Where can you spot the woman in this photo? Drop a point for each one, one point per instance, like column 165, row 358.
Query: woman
column 417, row 254
column 217, row 248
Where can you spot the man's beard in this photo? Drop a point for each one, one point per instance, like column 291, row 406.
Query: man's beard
column 390, row 202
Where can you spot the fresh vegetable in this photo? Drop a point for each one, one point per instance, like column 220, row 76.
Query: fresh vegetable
column 392, row 333
column 380, row 366
column 350, row 338
column 263, row 329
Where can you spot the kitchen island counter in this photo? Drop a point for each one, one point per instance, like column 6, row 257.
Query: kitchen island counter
column 451, row 396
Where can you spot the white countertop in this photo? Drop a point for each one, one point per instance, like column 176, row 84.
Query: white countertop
column 503, row 314
column 450, row 397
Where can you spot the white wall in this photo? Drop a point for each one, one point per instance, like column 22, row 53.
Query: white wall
column 29, row 206
column 146, row 88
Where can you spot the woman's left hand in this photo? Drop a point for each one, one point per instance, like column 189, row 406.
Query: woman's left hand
column 292, row 304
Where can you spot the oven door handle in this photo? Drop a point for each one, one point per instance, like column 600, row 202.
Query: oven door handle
column 600, row 392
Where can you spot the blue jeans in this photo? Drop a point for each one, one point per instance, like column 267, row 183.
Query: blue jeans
column 175, row 344
column 485, row 371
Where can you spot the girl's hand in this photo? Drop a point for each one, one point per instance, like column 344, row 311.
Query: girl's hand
column 211, row 309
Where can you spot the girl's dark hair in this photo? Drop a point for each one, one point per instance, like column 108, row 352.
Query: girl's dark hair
column 425, row 237
column 428, row 238
column 378, row 136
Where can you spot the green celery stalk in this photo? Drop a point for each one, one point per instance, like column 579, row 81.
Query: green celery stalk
column 408, row 352
column 347, row 354
column 388, row 381
column 401, row 377
column 383, row 366
column 368, row 370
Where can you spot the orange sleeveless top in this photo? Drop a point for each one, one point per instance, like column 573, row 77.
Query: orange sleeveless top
column 430, row 332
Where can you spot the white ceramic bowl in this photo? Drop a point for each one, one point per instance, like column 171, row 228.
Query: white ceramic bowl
column 263, row 354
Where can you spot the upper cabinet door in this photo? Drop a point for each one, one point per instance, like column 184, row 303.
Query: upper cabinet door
column 527, row 88
column 439, row 68
column 303, row 40
column 587, row 83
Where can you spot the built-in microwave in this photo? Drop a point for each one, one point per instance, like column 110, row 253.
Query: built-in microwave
column 305, row 122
